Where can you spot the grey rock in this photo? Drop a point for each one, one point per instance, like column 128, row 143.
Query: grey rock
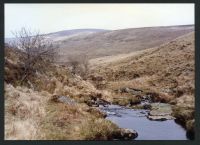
column 160, row 118
column 160, row 111
column 126, row 134
column 130, row 90
column 95, row 105
column 66, row 100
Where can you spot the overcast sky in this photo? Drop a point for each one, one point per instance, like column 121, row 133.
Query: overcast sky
column 55, row 17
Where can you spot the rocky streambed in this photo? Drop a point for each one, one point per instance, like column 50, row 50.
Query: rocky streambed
column 153, row 122
column 150, row 125
column 151, row 119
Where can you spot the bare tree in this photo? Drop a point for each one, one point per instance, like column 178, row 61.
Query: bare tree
column 84, row 65
column 79, row 65
column 74, row 64
column 38, row 51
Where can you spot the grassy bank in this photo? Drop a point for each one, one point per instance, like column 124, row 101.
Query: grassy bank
column 165, row 71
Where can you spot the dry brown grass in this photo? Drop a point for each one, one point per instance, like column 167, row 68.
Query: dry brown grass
column 75, row 122
column 30, row 116
column 120, row 41
column 167, row 69
column 24, row 110
column 97, row 129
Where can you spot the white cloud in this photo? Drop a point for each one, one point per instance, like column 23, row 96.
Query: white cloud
column 54, row 17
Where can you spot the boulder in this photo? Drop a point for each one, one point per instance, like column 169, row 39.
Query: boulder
column 153, row 96
column 125, row 134
column 160, row 112
column 160, row 118
column 130, row 90
column 63, row 99
column 54, row 98
column 66, row 100
column 96, row 102
column 146, row 98
column 90, row 102
column 102, row 102
column 94, row 105
column 127, row 100
column 135, row 91
column 147, row 106
column 190, row 126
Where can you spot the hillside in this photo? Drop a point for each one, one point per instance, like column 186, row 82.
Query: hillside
column 151, row 74
column 52, row 105
column 167, row 71
column 120, row 41
column 65, row 34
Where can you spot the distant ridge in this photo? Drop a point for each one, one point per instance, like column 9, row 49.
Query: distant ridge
column 123, row 41
column 60, row 35
column 73, row 31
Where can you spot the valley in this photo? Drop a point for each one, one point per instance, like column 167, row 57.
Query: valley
column 135, row 81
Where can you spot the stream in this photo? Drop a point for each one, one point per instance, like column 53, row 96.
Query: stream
column 136, row 119
column 146, row 129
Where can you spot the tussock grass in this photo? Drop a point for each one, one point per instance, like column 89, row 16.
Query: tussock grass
column 167, row 70
column 126, row 100
column 29, row 115
column 75, row 122
column 97, row 129
column 24, row 110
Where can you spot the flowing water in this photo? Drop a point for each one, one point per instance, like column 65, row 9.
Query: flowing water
column 147, row 129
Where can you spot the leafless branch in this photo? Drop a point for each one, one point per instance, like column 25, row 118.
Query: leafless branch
column 38, row 51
